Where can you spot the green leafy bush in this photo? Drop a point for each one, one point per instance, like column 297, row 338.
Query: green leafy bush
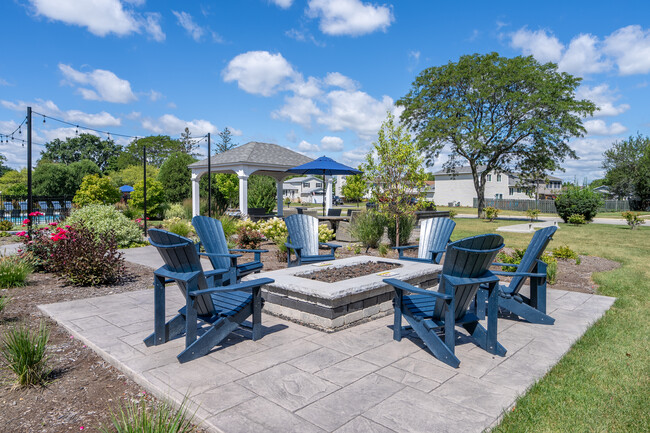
column 368, row 228
column 84, row 259
column 96, row 190
column 516, row 256
column 578, row 201
column 633, row 219
column 229, row 225
column 177, row 210
column 532, row 214
column 564, row 252
column 249, row 238
column 140, row 417
column 14, row 271
column 178, row 226
column 325, row 234
column 406, row 225
column 24, row 354
column 383, row 250
column 452, row 213
column 576, row 219
column 104, row 219
column 261, row 192
column 156, row 201
column 491, row 213
column 5, row 225
column 4, row 301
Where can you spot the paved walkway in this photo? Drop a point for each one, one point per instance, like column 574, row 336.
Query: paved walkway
column 296, row 379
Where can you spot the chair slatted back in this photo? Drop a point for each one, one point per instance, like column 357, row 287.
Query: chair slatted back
column 434, row 235
column 303, row 231
column 467, row 258
column 56, row 205
column 8, row 205
column 179, row 255
column 213, row 239
column 23, row 205
column 334, row 212
column 535, row 249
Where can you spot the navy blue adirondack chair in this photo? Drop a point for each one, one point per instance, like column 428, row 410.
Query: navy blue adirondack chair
column 531, row 267
column 222, row 308
column 57, row 207
column 433, row 315
column 303, row 240
column 213, row 239
column 434, row 237
column 334, row 212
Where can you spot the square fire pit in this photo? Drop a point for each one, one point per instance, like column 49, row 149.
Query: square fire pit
column 333, row 306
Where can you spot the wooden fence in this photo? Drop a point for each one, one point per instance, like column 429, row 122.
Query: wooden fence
column 548, row 206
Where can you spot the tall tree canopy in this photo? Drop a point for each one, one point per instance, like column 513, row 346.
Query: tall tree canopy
column 85, row 146
column 3, row 167
column 14, row 182
column 55, row 179
column 159, row 147
column 496, row 114
column 627, row 166
column 176, row 177
column 225, row 142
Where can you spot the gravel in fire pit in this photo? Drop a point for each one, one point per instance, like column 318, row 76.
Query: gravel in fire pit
column 332, row 274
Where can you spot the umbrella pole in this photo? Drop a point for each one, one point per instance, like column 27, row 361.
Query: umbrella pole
column 325, row 192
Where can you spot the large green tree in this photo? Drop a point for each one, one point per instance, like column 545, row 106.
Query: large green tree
column 3, row 167
column 96, row 190
column 627, row 167
column 85, row 146
column 176, row 177
column 496, row 114
column 14, row 182
column 54, row 179
column 262, row 192
column 395, row 170
column 355, row 187
column 159, row 147
column 225, row 142
column 133, row 174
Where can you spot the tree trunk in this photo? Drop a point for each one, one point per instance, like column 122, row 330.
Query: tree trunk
column 479, row 186
column 397, row 231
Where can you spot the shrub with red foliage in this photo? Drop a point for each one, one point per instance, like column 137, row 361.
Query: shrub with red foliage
column 248, row 238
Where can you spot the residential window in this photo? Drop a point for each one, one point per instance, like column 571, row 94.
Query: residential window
column 498, row 178
column 319, row 185
column 305, row 184
column 489, row 178
column 511, row 191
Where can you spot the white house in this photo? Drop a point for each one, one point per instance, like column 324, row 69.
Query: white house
column 459, row 188
column 308, row 188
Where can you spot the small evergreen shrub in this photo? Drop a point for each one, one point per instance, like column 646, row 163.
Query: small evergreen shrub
column 383, row 250
column 368, row 228
column 96, row 190
column 532, row 214
column 576, row 219
column 24, row 354
column 14, row 271
column 564, row 252
column 491, row 213
column 104, row 219
column 406, row 225
column 518, row 254
column 325, row 234
column 176, row 210
column 140, row 417
column 229, row 225
column 578, row 201
column 6, row 225
column 249, row 238
column 633, row 219
column 178, row 226
column 84, row 259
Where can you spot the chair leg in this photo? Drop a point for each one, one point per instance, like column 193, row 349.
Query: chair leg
column 174, row 327
column 217, row 332
column 525, row 311
column 257, row 313
column 397, row 315
column 479, row 303
column 480, row 335
column 433, row 342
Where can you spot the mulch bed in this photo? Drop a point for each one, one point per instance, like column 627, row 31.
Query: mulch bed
column 83, row 387
column 334, row 274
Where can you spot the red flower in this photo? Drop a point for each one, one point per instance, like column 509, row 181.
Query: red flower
column 26, row 221
column 37, row 213
column 53, row 223
column 21, row 234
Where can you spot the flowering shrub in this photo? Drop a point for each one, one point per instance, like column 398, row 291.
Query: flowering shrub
column 179, row 226
column 325, row 234
column 491, row 213
column 249, row 238
column 248, row 223
column 104, row 219
column 274, row 228
column 518, row 254
column 5, row 225
column 633, row 219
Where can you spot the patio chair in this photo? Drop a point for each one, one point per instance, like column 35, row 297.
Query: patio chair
column 303, row 240
column 222, row 308
column 431, row 313
column 15, row 211
column 532, row 309
column 48, row 210
column 434, row 237
column 213, row 239
column 334, row 212
column 23, row 208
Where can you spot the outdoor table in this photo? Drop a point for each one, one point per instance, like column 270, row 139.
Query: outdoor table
column 334, row 220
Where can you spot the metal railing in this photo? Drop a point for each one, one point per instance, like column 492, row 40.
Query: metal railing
column 14, row 208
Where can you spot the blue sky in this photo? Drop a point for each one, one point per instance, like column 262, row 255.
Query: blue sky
column 317, row 76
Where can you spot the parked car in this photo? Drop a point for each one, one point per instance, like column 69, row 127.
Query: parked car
column 337, row 201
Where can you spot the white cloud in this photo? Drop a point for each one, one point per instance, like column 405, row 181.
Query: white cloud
column 49, row 108
column 413, row 59
column 172, row 125
column 185, row 20
column 336, row 79
column 539, row 44
column 4, row 82
column 582, row 57
column 297, row 110
column 599, row 127
column 235, row 132
column 154, row 95
column 356, row 111
column 67, row 132
column 101, row 17
column 107, row 86
column 630, row 46
column 259, row 72
column 284, row 4
column 308, row 89
column 604, row 99
column 305, row 146
column 333, row 144
column 354, row 157
column 349, row 17
column 151, row 25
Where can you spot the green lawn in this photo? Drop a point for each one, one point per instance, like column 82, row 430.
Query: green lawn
column 603, row 383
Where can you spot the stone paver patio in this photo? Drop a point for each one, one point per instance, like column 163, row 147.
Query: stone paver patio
column 297, row 379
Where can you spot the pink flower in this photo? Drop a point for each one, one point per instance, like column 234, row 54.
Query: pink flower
column 26, row 221
column 81, row 427
column 68, row 227
column 21, row 234
column 37, row 213
column 53, row 223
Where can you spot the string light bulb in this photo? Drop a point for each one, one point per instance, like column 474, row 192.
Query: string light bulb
column 43, row 119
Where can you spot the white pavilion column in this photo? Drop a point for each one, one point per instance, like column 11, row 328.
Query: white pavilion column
column 196, row 207
column 278, row 192
column 328, row 194
column 243, row 194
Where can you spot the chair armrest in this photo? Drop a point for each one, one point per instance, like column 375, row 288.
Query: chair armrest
column 461, row 281
column 519, row 274
column 399, row 284
column 514, row 265
column 332, row 246
column 244, row 285
column 407, row 247
column 248, row 251
column 438, row 251
column 181, row 276
column 293, row 247
column 232, row 256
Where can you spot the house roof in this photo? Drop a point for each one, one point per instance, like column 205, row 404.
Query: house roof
column 301, row 179
column 275, row 157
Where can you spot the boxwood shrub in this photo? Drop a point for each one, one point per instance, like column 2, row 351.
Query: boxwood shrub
column 103, row 219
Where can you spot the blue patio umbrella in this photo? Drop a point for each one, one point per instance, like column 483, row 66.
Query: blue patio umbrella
column 325, row 166
column 126, row 188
